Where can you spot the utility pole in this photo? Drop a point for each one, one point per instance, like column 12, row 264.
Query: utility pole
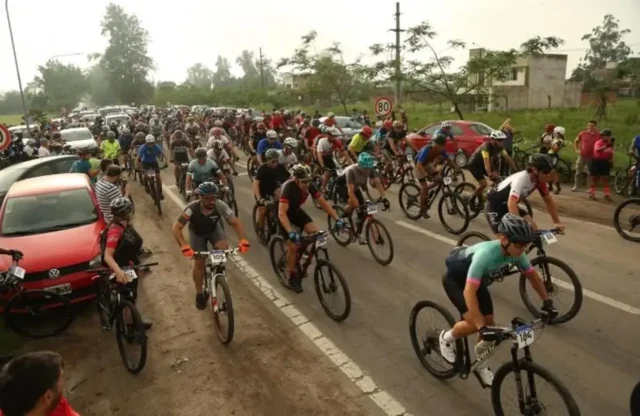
column 261, row 70
column 397, row 61
column 15, row 58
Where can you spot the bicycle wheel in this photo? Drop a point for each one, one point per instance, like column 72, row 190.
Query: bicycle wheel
column 470, row 235
column 409, row 197
column 130, row 334
column 222, row 306
column 330, row 283
column 631, row 223
column 455, row 207
column 38, row 313
column 427, row 344
column 383, row 240
column 261, row 233
column 531, row 404
column 278, row 257
column 553, row 285
column 466, row 190
column 456, row 177
column 342, row 236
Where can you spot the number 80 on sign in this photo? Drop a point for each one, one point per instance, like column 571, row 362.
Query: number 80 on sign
column 383, row 106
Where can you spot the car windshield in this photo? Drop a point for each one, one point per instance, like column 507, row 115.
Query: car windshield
column 76, row 135
column 481, row 129
column 37, row 214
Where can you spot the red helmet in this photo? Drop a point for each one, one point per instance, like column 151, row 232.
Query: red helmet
column 366, row 131
column 217, row 131
column 261, row 126
column 549, row 128
column 388, row 125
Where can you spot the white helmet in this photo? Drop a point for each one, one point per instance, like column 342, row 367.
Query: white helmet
column 559, row 130
column 286, row 112
column 150, row 138
column 445, row 124
column 378, row 124
column 218, row 123
column 497, row 135
column 271, row 134
column 331, row 114
column 334, row 131
column 290, row 142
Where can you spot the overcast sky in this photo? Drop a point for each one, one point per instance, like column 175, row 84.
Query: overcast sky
column 190, row 31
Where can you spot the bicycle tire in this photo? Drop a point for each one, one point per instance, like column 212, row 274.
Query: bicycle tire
column 221, row 281
column 577, row 290
column 418, row 349
column 470, row 234
column 263, row 237
column 15, row 310
column 280, row 274
column 475, row 208
column 340, row 316
column 140, row 337
column 530, row 367
column 383, row 230
column 403, row 188
column 621, row 182
column 457, row 204
column 334, row 231
column 102, row 301
column 616, row 219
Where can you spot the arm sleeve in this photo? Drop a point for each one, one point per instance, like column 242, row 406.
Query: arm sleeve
column 477, row 269
column 524, row 264
column 186, row 215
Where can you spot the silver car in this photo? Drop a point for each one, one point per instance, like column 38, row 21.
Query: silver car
column 79, row 138
column 348, row 127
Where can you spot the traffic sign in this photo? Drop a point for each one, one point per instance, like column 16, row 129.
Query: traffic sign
column 5, row 138
column 383, row 106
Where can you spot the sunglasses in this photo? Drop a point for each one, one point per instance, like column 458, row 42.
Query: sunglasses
column 521, row 246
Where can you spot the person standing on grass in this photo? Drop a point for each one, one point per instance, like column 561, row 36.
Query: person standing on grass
column 601, row 164
column 507, row 145
column 583, row 145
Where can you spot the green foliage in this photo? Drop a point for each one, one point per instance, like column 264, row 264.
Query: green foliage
column 199, row 76
column 61, row 86
column 100, row 91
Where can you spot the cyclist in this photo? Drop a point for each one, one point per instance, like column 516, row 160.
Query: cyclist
column 203, row 217
column 287, row 157
column 325, row 148
column 138, row 141
column 201, row 170
column 155, row 127
column 269, row 142
column 293, row 219
column 110, row 147
column 483, row 161
column 269, row 177
column 391, row 147
column 219, row 155
column 125, row 140
column 465, row 285
column 181, row 149
column 426, row 167
column 148, row 154
column 446, row 129
column 191, row 127
column 504, row 199
column 360, row 142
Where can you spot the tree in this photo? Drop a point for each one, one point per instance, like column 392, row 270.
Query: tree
column 470, row 83
column 199, row 76
column 247, row 62
column 125, row 60
column 60, row 85
column 326, row 70
column 98, row 87
column 222, row 76
column 599, row 67
column 10, row 103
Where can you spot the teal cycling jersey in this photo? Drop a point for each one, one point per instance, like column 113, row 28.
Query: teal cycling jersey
column 480, row 260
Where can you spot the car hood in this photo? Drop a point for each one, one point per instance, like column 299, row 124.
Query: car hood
column 55, row 249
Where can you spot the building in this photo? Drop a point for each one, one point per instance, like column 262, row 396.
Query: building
column 533, row 82
column 294, row 81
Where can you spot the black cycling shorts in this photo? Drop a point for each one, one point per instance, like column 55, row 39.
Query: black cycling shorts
column 478, row 172
column 298, row 219
column 151, row 165
column 454, row 287
column 494, row 212
column 329, row 162
column 181, row 157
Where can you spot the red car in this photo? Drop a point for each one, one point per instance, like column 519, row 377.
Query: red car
column 468, row 134
column 55, row 221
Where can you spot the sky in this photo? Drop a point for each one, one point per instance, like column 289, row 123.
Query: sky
column 189, row 31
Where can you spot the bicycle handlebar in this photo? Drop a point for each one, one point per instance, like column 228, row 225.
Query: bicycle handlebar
column 227, row 252
column 102, row 270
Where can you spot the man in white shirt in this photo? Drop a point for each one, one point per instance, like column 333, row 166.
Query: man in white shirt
column 43, row 151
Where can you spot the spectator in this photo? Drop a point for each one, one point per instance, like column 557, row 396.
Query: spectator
column 365, row 118
column 108, row 189
column 601, row 164
column 82, row 165
column 546, row 138
column 32, row 384
column 104, row 165
column 95, row 164
column 583, row 145
column 404, row 120
column 43, row 150
column 507, row 143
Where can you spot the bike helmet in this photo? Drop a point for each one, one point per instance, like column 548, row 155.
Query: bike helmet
column 150, row 138
column 201, row 153
column 497, row 135
column 366, row 131
column 445, row 125
column 31, row 142
column 218, row 145
column 139, row 135
column 541, row 162
column 208, row 189
column 439, row 139
column 290, row 142
column 516, row 229
column 397, row 124
column 331, row 115
column 365, row 160
column 334, row 131
column 388, row 125
column 315, row 122
column 261, row 126
column 378, row 124
column 121, row 206
column 105, row 129
column 218, row 123
column 111, row 135
column 559, row 130
column 606, row 132
column 217, row 131
column 271, row 134
column 271, row 154
column 301, row 171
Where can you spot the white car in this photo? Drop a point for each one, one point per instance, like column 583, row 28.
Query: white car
column 120, row 118
column 79, row 138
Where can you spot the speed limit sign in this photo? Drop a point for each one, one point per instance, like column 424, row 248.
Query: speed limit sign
column 383, row 106
column 5, row 138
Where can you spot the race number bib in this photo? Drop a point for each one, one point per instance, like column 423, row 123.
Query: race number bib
column 549, row 238
column 130, row 275
column 525, row 336
column 321, row 241
column 372, row 209
column 447, row 180
column 18, row 272
column 218, row 257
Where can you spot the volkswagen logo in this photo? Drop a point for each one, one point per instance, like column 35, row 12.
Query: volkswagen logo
column 54, row 274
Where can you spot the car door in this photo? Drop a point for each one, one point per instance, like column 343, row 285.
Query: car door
column 459, row 134
column 40, row 170
column 63, row 165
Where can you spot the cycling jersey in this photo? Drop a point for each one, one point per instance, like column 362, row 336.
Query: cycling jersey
column 149, row 153
column 310, row 134
column 125, row 241
column 394, row 135
column 270, row 178
column 360, row 144
column 213, row 139
column 635, row 146
column 219, row 158
column 125, row 141
column 266, row 144
column 486, row 150
column 286, row 160
column 355, row 175
column 192, row 128
column 326, row 147
column 156, row 129
column 111, row 149
column 427, row 155
column 203, row 172
column 519, row 185
column 296, row 197
column 202, row 224
column 180, row 150
column 448, row 134
column 277, row 122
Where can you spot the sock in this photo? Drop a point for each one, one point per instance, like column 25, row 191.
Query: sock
column 448, row 336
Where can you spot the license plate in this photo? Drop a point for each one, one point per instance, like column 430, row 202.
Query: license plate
column 549, row 238
column 18, row 272
column 130, row 275
column 218, row 257
column 525, row 336
column 321, row 241
column 372, row 209
column 447, row 180
column 63, row 289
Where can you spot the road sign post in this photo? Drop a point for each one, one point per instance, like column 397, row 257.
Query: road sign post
column 383, row 106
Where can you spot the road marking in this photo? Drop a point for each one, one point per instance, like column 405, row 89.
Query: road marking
column 593, row 295
column 366, row 384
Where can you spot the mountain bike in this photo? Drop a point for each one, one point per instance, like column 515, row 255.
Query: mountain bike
column 628, row 180
column 116, row 305
column 476, row 203
column 182, row 180
column 626, row 224
column 252, row 167
column 226, row 195
column 36, row 313
column 326, row 283
column 521, row 334
column 217, row 289
column 551, row 283
column 401, row 171
column 271, row 223
column 152, row 186
column 451, row 203
column 375, row 232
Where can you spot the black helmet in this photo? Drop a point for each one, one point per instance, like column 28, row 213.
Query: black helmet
column 315, row 122
column 439, row 139
column 516, row 229
column 121, row 206
column 139, row 135
column 208, row 189
column 541, row 162
column 201, row 153
column 606, row 132
column 301, row 171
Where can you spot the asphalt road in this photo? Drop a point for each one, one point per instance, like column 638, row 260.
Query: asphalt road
column 595, row 355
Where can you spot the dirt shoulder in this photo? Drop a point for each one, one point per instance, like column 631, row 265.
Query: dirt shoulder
column 270, row 368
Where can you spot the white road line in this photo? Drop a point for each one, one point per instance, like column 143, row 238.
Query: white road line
column 593, row 295
column 368, row 386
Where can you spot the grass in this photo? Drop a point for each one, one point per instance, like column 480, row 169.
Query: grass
column 10, row 119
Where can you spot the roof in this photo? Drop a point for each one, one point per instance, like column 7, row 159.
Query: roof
column 74, row 129
column 35, row 162
column 49, row 184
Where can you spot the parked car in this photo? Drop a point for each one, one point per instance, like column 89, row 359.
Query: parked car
column 56, row 222
column 121, row 118
column 468, row 134
column 79, row 138
column 348, row 127
column 33, row 169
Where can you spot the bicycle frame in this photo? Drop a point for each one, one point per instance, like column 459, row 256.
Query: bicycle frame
column 214, row 267
column 302, row 249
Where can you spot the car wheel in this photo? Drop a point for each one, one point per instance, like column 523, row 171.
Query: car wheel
column 461, row 159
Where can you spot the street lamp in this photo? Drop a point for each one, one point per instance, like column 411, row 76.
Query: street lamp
column 15, row 58
column 64, row 55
